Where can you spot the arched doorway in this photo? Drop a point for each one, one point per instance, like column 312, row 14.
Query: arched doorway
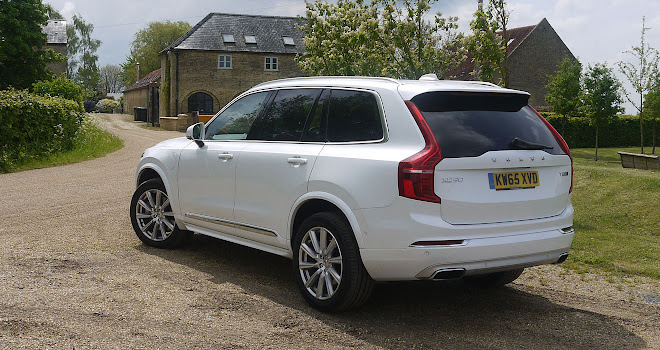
column 201, row 102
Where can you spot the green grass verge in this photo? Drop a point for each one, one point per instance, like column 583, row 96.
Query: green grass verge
column 91, row 142
column 617, row 215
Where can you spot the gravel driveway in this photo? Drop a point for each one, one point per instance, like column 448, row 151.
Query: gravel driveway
column 73, row 275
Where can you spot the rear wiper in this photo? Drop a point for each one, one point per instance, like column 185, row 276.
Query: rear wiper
column 522, row 144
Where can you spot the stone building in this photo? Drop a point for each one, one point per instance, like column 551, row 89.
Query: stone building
column 144, row 93
column 55, row 31
column 533, row 53
column 222, row 56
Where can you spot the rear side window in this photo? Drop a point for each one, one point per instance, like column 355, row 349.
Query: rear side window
column 286, row 115
column 471, row 124
column 353, row 116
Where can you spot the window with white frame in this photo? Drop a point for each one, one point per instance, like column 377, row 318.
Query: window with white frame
column 224, row 62
column 271, row 63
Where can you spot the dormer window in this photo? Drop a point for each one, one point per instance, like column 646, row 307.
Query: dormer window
column 250, row 39
column 288, row 40
column 228, row 38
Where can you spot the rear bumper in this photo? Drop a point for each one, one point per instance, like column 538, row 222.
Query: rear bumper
column 477, row 256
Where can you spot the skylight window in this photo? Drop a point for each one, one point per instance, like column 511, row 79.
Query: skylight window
column 510, row 41
column 250, row 39
column 288, row 40
column 228, row 38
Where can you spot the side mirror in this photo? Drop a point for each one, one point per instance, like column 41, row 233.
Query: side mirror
column 195, row 132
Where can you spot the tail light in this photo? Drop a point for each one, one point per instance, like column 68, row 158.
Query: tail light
column 560, row 140
column 417, row 172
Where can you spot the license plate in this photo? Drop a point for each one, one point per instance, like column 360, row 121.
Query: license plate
column 513, row 180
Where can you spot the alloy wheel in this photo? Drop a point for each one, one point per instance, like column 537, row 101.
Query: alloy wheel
column 320, row 263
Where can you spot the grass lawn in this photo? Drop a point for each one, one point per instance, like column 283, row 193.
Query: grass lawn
column 91, row 142
column 617, row 215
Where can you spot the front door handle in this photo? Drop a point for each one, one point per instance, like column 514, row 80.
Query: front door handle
column 225, row 156
column 297, row 161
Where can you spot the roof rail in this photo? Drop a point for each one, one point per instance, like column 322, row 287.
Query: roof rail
column 391, row 80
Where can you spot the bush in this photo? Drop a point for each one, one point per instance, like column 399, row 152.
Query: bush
column 622, row 131
column 34, row 126
column 106, row 105
column 60, row 87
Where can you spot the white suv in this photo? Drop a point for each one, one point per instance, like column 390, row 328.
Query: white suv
column 368, row 179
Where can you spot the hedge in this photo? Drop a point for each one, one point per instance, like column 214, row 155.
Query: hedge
column 622, row 131
column 32, row 126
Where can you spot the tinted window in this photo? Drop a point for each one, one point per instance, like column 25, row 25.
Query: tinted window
column 471, row 124
column 353, row 116
column 315, row 130
column 286, row 115
column 235, row 121
column 200, row 102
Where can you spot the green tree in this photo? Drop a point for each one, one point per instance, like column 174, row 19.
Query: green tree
column 484, row 45
column 501, row 16
column 564, row 90
column 378, row 38
column 146, row 45
column 22, row 59
column 652, row 108
column 82, row 57
column 52, row 13
column 641, row 74
column 602, row 96
column 110, row 79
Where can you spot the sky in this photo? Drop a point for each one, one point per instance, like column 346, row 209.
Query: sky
column 596, row 31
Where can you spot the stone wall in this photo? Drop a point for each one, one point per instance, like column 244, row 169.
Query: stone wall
column 198, row 72
column 538, row 56
column 58, row 68
column 135, row 98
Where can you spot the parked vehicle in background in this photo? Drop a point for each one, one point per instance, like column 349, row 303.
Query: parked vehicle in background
column 368, row 179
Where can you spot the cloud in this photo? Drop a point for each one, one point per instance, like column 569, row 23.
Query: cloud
column 68, row 9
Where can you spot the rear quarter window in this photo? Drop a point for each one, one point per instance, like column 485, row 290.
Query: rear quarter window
column 471, row 124
column 354, row 116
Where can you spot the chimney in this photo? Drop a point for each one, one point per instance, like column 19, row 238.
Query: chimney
column 137, row 78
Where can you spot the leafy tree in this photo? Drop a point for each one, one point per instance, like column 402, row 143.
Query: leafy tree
column 81, row 53
column 484, row 45
column 602, row 96
column 641, row 75
column 52, row 13
column 652, row 108
column 146, row 45
column 111, row 80
column 22, row 59
column 59, row 87
column 378, row 38
column 501, row 16
column 564, row 90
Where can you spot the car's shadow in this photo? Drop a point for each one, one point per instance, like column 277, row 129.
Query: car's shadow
column 411, row 314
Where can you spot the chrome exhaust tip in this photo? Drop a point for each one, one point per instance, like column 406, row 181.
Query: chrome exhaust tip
column 562, row 258
column 448, row 274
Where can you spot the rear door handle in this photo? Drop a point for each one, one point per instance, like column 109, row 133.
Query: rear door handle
column 225, row 156
column 297, row 160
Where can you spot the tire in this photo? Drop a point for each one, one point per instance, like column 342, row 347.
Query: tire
column 331, row 279
column 493, row 280
column 152, row 221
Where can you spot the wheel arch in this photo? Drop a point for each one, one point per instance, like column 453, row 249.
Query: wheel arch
column 312, row 203
column 150, row 170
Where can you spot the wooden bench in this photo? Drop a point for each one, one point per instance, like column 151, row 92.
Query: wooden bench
column 639, row 161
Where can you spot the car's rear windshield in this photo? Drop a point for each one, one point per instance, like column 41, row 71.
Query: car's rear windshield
column 471, row 124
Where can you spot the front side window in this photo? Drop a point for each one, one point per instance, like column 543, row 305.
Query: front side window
column 287, row 114
column 235, row 121
column 271, row 63
column 201, row 102
column 354, row 116
column 224, row 62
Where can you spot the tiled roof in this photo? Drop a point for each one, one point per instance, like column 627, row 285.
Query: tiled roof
column 148, row 79
column 56, row 31
column 516, row 37
column 268, row 31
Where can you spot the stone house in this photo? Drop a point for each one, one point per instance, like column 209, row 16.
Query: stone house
column 57, row 39
column 222, row 56
column 144, row 93
column 533, row 53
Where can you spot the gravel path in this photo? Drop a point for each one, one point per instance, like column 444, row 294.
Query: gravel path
column 73, row 275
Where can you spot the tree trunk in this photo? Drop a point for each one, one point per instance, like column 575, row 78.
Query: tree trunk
column 596, row 142
column 655, row 122
column 563, row 126
column 641, row 122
